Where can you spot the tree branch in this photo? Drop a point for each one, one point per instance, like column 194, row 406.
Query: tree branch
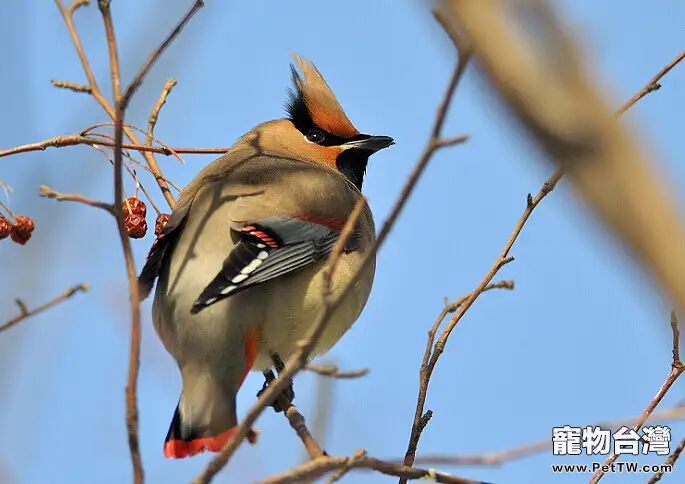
column 677, row 368
column 432, row 354
column 25, row 313
column 47, row 192
column 78, row 139
column 333, row 371
column 316, row 468
column 134, row 358
column 552, row 96
column 542, row 445
column 670, row 460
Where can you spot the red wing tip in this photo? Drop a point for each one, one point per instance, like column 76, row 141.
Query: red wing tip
column 180, row 449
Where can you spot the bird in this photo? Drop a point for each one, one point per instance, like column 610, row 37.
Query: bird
column 239, row 265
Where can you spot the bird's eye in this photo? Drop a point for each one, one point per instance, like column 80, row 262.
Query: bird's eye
column 315, row 136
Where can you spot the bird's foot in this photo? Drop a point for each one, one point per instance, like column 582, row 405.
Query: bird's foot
column 288, row 394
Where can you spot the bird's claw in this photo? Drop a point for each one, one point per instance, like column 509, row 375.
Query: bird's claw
column 288, row 394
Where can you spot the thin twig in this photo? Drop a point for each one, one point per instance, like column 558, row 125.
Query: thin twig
column 428, row 366
column 171, row 151
column 71, row 86
column 651, row 86
column 76, row 4
column 134, row 357
column 321, row 466
column 146, row 168
column 551, row 94
column 154, row 114
column 6, row 188
column 67, row 15
column 104, row 6
column 670, row 461
column 131, row 171
column 25, row 313
column 677, row 368
column 421, row 421
column 333, row 371
column 296, row 421
column 47, row 192
column 433, row 143
column 359, row 453
column 337, row 250
column 77, row 139
column 6, row 209
column 324, row 400
column 500, row 457
column 431, row 355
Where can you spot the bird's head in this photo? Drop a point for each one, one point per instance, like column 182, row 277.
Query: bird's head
column 317, row 129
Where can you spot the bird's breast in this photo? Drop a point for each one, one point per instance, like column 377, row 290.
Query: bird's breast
column 297, row 302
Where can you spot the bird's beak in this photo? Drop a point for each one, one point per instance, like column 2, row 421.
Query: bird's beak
column 372, row 143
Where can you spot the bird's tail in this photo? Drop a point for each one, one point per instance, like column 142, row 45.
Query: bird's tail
column 204, row 420
column 205, row 417
column 186, row 439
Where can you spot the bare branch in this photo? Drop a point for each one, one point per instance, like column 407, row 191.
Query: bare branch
column 104, row 6
column 67, row 15
column 77, row 139
column 359, row 453
column 551, row 94
column 677, row 368
column 134, row 358
column 670, row 460
column 321, row 466
column 431, row 355
column 651, row 86
column 154, row 114
column 76, row 4
column 25, row 313
column 542, row 445
column 47, row 192
column 337, row 250
column 171, row 151
column 334, row 372
column 71, row 86
column 6, row 209
column 297, row 422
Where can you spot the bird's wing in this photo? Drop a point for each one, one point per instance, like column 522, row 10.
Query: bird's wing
column 266, row 249
column 160, row 246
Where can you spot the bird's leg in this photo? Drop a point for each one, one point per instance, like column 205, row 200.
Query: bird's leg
column 288, row 393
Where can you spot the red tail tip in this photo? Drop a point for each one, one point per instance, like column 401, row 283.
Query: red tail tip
column 179, row 449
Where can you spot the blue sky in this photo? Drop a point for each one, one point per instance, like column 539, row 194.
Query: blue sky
column 582, row 338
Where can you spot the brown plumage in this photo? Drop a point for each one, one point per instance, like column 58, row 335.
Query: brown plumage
column 241, row 259
column 326, row 111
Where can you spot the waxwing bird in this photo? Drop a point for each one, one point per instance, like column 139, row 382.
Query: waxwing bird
column 239, row 264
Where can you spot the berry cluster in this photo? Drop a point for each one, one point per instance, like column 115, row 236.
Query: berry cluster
column 20, row 230
column 134, row 210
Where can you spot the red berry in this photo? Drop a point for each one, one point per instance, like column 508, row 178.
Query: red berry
column 161, row 222
column 136, row 226
column 134, row 206
column 22, row 229
column 5, row 228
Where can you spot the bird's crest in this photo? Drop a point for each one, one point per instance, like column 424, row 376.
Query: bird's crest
column 314, row 100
